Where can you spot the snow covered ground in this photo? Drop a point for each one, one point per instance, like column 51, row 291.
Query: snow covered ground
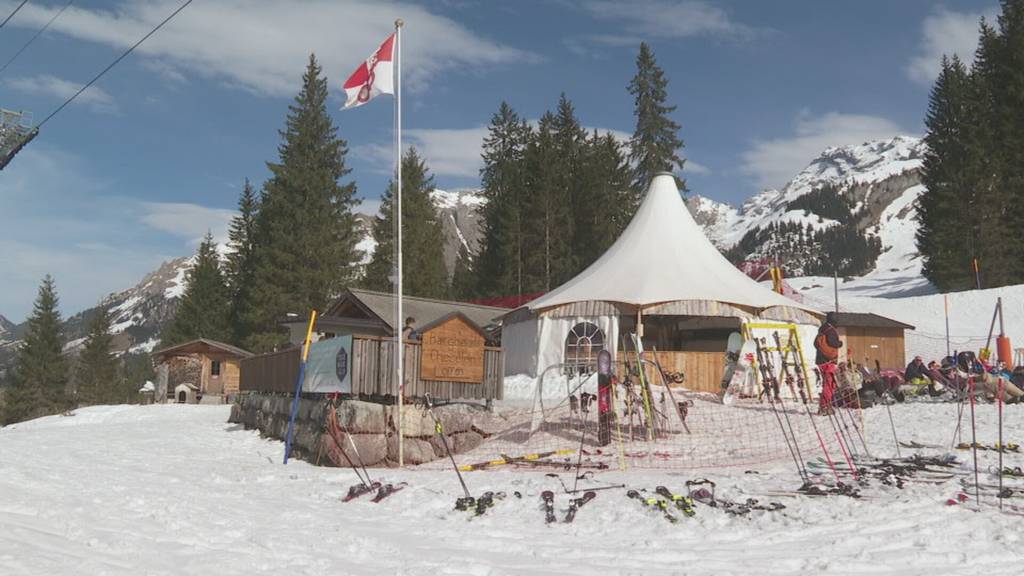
column 176, row 490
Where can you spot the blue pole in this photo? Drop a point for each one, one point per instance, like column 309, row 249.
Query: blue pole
column 298, row 387
column 295, row 411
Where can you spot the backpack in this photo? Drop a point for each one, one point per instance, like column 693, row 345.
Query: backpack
column 821, row 343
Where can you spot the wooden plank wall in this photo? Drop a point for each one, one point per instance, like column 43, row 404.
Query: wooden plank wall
column 703, row 370
column 884, row 344
column 273, row 372
column 373, row 372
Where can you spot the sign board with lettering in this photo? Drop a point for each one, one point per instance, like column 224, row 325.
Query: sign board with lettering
column 453, row 351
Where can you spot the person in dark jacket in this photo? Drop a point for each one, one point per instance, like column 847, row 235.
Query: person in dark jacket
column 827, row 345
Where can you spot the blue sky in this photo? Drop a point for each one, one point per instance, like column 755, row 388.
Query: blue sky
column 139, row 167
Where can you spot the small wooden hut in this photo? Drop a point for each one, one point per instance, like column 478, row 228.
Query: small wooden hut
column 210, row 367
column 870, row 337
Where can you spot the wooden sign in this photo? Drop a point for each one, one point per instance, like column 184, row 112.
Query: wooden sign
column 453, row 351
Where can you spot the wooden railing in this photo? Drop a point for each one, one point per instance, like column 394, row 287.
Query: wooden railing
column 373, row 372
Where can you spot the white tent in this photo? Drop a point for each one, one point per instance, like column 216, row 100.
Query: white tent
column 662, row 265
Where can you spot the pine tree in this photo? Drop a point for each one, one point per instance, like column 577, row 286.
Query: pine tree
column 655, row 145
column 203, row 310
column 134, row 371
column 423, row 268
column 96, row 372
column 499, row 267
column 306, row 233
column 1008, row 132
column 39, row 383
column 547, row 217
column 463, row 277
column 608, row 203
column 239, row 270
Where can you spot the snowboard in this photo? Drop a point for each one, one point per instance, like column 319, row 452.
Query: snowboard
column 742, row 380
column 732, row 357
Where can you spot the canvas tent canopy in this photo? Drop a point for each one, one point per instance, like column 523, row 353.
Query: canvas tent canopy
column 663, row 275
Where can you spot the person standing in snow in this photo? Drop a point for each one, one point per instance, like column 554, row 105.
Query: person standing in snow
column 826, row 346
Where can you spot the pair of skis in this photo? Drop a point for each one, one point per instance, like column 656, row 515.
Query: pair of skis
column 548, row 498
column 336, row 452
column 697, row 492
column 383, row 491
column 479, row 506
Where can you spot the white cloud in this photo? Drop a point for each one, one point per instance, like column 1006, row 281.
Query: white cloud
column 665, row 19
column 190, row 222
column 369, row 207
column 263, row 45
column 60, row 89
column 773, row 162
column 696, row 168
column 945, row 32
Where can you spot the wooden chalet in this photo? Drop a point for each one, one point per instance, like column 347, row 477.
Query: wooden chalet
column 869, row 337
column 211, row 369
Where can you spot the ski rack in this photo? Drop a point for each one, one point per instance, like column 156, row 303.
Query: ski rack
column 747, row 330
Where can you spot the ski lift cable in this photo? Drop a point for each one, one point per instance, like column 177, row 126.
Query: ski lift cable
column 11, row 15
column 114, row 63
column 33, row 39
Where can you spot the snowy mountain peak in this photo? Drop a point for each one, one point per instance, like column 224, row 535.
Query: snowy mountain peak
column 5, row 325
column 859, row 164
column 453, row 199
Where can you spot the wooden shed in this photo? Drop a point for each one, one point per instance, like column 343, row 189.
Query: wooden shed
column 451, row 357
column 212, row 367
column 870, row 337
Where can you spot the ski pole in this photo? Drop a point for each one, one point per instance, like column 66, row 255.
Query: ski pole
column 355, row 450
column 892, row 424
column 585, row 408
column 974, row 442
column 766, row 388
column 1002, row 387
column 444, row 441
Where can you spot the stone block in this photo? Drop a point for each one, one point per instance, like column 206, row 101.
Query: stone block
column 362, row 417
column 464, row 441
column 417, row 451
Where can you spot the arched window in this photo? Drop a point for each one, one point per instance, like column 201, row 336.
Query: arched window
column 582, row 344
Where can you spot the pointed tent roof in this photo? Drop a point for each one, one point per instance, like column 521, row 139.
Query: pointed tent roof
column 664, row 256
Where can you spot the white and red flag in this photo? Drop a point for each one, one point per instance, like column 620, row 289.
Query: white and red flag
column 373, row 77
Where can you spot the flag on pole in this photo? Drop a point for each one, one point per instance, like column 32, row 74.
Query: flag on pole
column 373, row 77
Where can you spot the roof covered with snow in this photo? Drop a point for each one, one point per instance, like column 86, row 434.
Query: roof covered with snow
column 663, row 256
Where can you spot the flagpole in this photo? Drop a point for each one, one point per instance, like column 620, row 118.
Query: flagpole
column 399, row 321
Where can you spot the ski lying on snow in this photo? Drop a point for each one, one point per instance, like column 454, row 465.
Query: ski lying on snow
column 683, row 503
column 576, row 503
column 654, row 504
column 387, row 490
column 357, row 490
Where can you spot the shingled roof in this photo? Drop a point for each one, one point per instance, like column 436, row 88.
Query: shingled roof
column 868, row 320
column 425, row 310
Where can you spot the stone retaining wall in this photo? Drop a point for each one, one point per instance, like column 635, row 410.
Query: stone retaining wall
column 371, row 428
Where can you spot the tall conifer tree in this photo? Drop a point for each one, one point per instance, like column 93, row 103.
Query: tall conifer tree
column 655, row 145
column 547, row 217
column 39, row 382
column 96, row 376
column 203, row 310
column 499, row 267
column 240, row 267
column 947, row 257
column 423, row 268
column 306, row 233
